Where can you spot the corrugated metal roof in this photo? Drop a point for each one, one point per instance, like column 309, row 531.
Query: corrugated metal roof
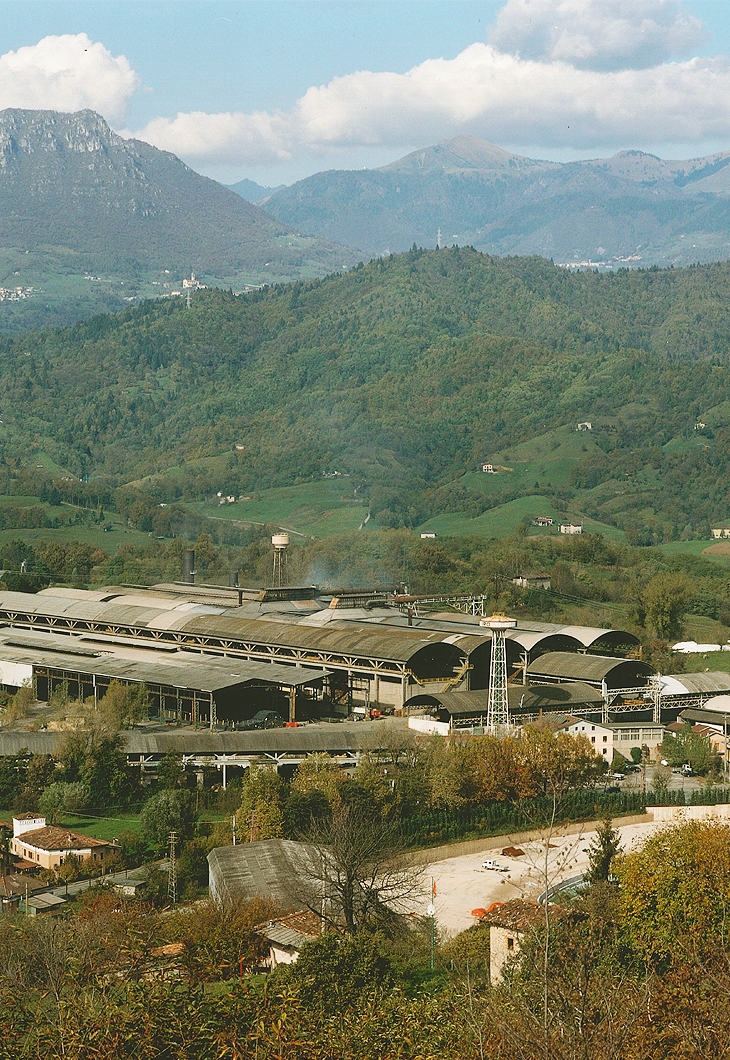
column 202, row 673
column 358, row 640
column 362, row 641
column 536, row 698
column 712, row 681
column 273, row 868
column 584, row 667
column 212, row 676
column 305, row 739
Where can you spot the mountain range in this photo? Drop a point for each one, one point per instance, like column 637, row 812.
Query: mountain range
column 632, row 209
column 92, row 221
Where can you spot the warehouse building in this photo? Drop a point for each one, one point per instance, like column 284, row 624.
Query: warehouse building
column 181, row 686
column 273, row 869
column 467, row 710
column 599, row 671
column 364, row 664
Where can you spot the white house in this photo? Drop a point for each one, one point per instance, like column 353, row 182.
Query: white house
column 585, row 426
column 571, row 528
column 599, row 736
column 532, row 581
column 720, row 532
column 489, row 469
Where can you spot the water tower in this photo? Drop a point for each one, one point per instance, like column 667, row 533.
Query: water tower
column 281, row 544
column 498, row 703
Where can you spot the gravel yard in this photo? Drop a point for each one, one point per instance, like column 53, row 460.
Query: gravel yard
column 462, row 884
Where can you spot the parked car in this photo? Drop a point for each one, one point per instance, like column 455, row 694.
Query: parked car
column 264, row 719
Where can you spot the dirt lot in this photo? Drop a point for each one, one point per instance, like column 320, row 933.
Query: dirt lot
column 722, row 548
column 462, row 884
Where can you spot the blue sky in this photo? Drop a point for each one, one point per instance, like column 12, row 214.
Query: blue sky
column 275, row 89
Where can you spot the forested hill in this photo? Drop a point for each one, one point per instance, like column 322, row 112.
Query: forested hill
column 406, row 374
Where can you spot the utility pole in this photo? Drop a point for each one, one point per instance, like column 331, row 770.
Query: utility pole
column 172, row 871
column 432, row 913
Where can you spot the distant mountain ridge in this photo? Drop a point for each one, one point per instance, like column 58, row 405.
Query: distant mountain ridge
column 253, row 192
column 631, row 209
column 90, row 220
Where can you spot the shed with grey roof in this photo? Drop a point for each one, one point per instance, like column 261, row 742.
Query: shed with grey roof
column 464, row 709
column 595, row 670
column 280, row 870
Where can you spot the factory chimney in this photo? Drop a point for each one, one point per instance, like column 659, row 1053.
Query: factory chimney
column 189, row 570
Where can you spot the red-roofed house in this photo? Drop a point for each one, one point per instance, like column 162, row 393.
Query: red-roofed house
column 47, row 846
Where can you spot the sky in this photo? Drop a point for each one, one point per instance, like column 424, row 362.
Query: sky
column 275, row 90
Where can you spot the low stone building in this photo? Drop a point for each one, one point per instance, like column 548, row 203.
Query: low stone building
column 288, row 934
column 509, row 923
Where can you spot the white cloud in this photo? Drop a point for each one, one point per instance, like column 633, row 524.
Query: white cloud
column 67, row 73
column 596, row 34
column 482, row 91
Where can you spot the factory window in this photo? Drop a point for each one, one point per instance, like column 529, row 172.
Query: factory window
column 593, row 739
column 510, row 944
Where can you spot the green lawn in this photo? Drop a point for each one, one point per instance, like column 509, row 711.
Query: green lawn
column 714, row 660
column 693, row 548
column 543, row 461
column 98, row 827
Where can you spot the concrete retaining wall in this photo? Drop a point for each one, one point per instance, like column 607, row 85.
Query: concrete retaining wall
column 496, row 842
column 669, row 814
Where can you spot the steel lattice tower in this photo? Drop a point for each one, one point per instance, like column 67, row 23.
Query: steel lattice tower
column 498, row 703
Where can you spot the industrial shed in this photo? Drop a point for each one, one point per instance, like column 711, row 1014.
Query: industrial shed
column 538, row 638
column 181, row 686
column 367, row 664
column 466, row 709
column 600, row 671
column 694, row 688
column 282, row 749
column 276, row 869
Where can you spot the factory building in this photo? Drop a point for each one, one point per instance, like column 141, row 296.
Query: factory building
column 181, row 686
column 198, row 647
column 363, row 663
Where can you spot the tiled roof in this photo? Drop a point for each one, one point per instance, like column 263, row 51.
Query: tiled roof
column 52, row 838
column 294, row 930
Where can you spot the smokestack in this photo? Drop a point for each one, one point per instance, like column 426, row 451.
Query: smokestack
column 189, row 571
column 233, row 579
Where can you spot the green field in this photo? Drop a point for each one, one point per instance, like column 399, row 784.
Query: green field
column 693, row 548
column 315, row 509
column 714, row 660
column 543, row 462
column 504, row 520
column 89, row 535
